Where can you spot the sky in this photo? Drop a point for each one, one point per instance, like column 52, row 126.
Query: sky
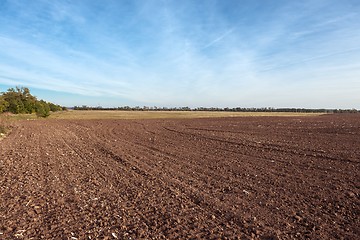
column 209, row 53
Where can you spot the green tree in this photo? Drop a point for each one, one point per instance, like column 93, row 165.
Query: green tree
column 3, row 104
column 42, row 109
column 19, row 100
column 28, row 100
column 54, row 107
column 11, row 98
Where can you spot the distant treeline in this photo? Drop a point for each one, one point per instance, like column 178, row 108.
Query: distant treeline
column 215, row 109
column 19, row 100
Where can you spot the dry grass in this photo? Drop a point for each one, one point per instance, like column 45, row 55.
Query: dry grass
column 10, row 116
column 4, row 126
column 2, row 129
column 93, row 114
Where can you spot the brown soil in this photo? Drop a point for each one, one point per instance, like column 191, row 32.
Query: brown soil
column 228, row 178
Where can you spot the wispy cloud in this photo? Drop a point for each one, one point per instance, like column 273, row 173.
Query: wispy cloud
column 218, row 39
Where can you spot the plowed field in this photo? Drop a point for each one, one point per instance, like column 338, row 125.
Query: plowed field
column 216, row 178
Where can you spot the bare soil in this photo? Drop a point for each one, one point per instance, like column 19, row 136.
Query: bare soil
column 215, row 178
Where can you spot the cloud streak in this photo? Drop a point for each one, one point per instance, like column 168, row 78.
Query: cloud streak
column 218, row 39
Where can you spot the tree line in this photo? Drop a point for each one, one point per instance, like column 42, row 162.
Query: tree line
column 19, row 100
column 217, row 109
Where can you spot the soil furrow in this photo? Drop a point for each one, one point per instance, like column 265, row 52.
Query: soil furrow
column 228, row 178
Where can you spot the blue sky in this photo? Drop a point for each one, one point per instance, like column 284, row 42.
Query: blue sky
column 225, row 53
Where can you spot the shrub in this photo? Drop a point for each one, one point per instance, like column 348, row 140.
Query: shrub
column 19, row 100
column 42, row 109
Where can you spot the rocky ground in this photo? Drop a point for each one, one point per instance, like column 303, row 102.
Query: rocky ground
column 218, row 178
